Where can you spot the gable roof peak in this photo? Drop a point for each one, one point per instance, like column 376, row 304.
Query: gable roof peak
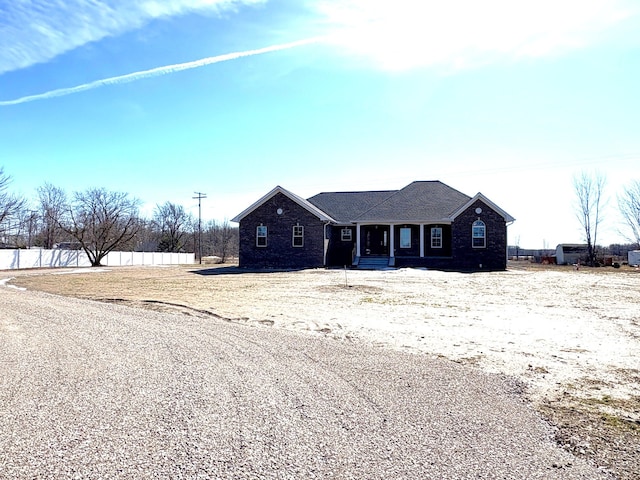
column 292, row 196
column 479, row 196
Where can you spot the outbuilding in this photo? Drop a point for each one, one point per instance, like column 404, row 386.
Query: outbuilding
column 571, row 253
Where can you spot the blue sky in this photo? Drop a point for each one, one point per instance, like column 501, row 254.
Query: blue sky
column 161, row 99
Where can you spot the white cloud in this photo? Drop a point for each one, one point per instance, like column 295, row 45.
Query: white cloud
column 38, row 30
column 459, row 33
column 155, row 72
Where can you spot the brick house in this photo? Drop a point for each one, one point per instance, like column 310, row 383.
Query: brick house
column 425, row 224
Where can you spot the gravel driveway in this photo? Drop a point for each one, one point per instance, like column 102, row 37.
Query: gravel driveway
column 91, row 390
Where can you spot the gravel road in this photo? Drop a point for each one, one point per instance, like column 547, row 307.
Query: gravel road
column 90, row 390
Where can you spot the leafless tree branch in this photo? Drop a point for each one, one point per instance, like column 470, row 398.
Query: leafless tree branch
column 589, row 190
column 629, row 205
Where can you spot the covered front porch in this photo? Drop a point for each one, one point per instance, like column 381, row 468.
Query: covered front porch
column 402, row 244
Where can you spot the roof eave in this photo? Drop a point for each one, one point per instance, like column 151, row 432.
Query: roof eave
column 428, row 221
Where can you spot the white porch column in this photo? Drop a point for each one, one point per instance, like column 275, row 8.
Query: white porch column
column 392, row 242
column 421, row 240
column 357, row 240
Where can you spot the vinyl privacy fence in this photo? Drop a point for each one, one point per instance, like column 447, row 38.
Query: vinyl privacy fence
column 40, row 258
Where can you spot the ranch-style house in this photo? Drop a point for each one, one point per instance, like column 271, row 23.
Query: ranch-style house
column 425, row 224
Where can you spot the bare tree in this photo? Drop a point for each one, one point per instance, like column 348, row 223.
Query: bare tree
column 101, row 221
column 147, row 239
column 173, row 224
column 226, row 238
column 16, row 229
column 589, row 190
column 220, row 239
column 52, row 206
column 629, row 205
column 10, row 205
column 32, row 226
column 24, row 228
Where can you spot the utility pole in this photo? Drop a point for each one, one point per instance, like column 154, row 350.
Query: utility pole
column 200, row 196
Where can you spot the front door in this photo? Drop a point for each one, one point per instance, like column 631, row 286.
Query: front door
column 376, row 240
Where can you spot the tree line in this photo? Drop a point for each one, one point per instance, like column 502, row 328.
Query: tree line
column 99, row 221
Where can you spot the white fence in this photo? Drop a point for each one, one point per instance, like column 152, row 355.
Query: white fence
column 40, row 258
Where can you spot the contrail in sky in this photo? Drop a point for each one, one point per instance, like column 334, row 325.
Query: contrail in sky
column 154, row 72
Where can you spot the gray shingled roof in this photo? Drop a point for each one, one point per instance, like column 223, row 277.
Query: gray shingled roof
column 417, row 202
column 344, row 207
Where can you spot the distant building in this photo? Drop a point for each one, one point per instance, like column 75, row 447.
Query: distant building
column 536, row 254
column 67, row 246
column 571, row 253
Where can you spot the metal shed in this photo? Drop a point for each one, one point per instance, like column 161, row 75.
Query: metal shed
column 570, row 253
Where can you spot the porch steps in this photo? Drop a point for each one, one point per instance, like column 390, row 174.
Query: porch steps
column 373, row 263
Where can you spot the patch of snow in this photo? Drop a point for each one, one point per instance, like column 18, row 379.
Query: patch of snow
column 3, row 283
column 81, row 270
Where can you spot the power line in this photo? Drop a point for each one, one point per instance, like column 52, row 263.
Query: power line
column 200, row 197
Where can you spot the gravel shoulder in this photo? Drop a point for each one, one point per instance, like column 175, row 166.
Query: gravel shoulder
column 92, row 390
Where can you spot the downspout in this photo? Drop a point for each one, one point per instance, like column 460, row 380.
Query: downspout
column 392, row 245
column 356, row 261
column 506, row 258
column 326, row 243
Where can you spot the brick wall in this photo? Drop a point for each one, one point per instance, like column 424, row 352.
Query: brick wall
column 280, row 252
column 494, row 255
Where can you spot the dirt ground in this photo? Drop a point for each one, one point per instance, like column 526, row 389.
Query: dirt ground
column 571, row 337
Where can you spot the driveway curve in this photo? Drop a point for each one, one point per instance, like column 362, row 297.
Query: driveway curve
column 92, row 390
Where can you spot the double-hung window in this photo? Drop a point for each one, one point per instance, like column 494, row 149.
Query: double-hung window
column 298, row 236
column 436, row 237
column 479, row 234
column 261, row 236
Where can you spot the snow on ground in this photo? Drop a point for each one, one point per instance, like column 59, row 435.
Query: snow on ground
column 4, row 283
column 79, row 271
column 552, row 329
